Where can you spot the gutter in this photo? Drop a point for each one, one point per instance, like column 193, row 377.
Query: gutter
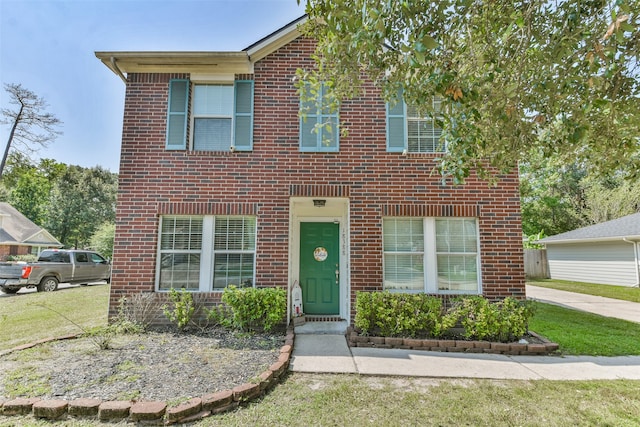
column 636, row 253
column 117, row 69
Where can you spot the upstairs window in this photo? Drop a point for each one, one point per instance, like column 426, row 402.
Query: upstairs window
column 221, row 116
column 408, row 131
column 318, row 124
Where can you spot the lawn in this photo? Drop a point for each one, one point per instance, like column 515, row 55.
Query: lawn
column 609, row 291
column 319, row 400
column 25, row 317
column 341, row 400
column 582, row 333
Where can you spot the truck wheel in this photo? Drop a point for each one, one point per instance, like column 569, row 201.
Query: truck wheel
column 48, row 284
column 8, row 290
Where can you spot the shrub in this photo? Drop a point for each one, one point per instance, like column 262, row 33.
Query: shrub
column 251, row 308
column 139, row 310
column 410, row 315
column 501, row 321
column 401, row 315
column 183, row 308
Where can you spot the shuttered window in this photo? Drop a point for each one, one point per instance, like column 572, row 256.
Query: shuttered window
column 222, row 116
column 407, row 130
column 433, row 255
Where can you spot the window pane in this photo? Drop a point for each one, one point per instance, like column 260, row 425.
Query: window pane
column 212, row 134
column 403, row 272
column 213, row 100
column 423, row 136
column 181, row 234
column 456, row 235
column 308, row 135
column 457, row 272
column 179, row 271
column 233, row 269
column 404, row 235
column 330, row 132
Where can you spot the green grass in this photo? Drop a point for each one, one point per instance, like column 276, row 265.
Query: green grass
column 581, row 333
column 609, row 291
column 338, row 400
column 24, row 318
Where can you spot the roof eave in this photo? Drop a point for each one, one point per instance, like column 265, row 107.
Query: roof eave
column 588, row 240
column 176, row 62
column 275, row 40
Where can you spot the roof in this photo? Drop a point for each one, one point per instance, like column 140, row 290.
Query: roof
column 617, row 229
column 17, row 229
column 201, row 62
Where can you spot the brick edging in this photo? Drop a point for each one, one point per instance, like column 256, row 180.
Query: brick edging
column 454, row 346
column 153, row 412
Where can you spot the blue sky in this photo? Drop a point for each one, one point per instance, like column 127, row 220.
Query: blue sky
column 48, row 47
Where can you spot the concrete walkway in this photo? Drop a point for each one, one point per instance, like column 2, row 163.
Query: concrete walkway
column 322, row 348
column 330, row 354
column 608, row 307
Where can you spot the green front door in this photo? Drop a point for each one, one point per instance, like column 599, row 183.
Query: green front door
column 320, row 267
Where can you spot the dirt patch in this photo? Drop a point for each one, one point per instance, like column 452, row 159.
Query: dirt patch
column 151, row 366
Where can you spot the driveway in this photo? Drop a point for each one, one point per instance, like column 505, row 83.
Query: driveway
column 608, row 307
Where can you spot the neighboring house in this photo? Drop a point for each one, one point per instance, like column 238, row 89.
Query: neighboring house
column 222, row 183
column 20, row 236
column 607, row 253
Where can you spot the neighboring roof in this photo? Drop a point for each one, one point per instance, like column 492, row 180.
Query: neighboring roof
column 17, row 229
column 625, row 227
column 200, row 62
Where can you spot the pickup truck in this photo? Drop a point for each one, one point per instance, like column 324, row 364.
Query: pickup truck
column 52, row 267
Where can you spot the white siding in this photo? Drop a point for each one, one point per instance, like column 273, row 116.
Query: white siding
column 611, row 263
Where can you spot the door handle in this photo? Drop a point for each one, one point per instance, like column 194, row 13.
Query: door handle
column 337, row 275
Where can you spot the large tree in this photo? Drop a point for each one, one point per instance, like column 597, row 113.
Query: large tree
column 559, row 77
column 32, row 127
column 81, row 201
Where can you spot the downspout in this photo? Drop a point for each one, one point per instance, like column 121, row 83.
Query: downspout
column 636, row 253
column 117, row 70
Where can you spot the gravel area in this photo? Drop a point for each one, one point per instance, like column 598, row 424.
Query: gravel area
column 152, row 366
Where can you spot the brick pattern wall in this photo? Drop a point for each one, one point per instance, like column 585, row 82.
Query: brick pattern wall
column 154, row 181
column 12, row 250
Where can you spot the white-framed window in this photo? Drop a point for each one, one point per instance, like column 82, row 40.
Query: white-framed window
column 212, row 117
column 408, row 131
column 221, row 116
column 206, row 253
column 432, row 255
column 319, row 124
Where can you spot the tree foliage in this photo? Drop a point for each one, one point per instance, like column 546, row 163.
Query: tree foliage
column 73, row 203
column 557, row 197
column 31, row 126
column 559, row 77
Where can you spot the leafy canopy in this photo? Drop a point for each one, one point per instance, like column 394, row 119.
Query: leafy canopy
column 560, row 77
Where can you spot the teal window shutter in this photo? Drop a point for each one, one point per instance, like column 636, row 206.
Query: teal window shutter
column 243, row 115
column 177, row 114
column 396, row 125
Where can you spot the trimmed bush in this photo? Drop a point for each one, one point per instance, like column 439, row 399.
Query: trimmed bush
column 401, row 315
column 501, row 321
column 251, row 308
column 419, row 315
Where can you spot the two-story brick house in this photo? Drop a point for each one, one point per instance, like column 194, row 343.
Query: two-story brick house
column 221, row 183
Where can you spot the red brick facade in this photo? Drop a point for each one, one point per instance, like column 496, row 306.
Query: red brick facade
column 261, row 182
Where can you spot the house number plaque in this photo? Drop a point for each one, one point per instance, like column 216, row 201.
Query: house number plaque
column 320, row 254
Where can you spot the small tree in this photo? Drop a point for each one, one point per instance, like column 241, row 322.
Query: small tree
column 29, row 116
